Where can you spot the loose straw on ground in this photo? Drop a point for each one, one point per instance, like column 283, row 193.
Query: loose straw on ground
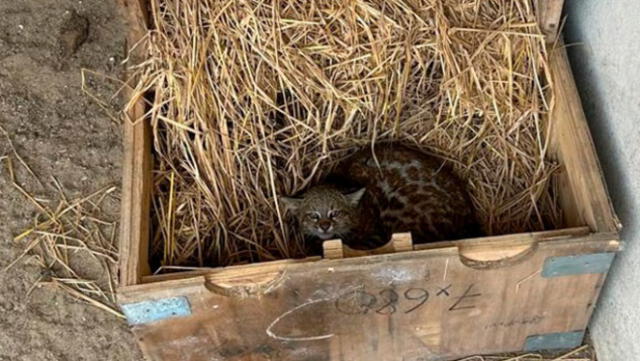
column 582, row 353
column 70, row 239
column 256, row 99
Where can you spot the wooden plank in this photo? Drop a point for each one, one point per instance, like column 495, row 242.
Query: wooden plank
column 136, row 200
column 506, row 239
column 497, row 243
column 237, row 269
column 549, row 13
column 136, row 15
column 136, row 167
column 584, row 196
column 421, row 305
column 335, row 249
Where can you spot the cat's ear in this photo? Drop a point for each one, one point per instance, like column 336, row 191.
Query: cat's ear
column 355, row 197
column 290, row 204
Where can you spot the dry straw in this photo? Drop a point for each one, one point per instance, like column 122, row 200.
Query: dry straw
column 582, row 353
column 71, row 239
column 73, row 242
column 254, row 99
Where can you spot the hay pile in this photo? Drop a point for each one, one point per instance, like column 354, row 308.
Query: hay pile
column 254, row 99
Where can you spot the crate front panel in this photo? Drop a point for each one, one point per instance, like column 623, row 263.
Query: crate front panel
column 424, row 305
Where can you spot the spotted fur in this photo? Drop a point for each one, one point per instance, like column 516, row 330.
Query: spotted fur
column 404, row 190
column 414, row 192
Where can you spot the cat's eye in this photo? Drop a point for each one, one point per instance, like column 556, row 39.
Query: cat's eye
column 313, row 216
column 334, row 214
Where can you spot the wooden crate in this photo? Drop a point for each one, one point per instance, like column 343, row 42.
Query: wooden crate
column 429, row 302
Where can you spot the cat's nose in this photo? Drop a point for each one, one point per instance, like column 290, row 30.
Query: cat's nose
column 324, row 224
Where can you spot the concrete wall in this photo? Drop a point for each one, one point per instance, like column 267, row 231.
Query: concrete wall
column 606, row 64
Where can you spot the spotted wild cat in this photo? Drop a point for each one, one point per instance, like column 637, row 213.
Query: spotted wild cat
column 401, row 190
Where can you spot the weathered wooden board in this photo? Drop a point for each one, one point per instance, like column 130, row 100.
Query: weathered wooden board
column 421, row 305
column 549, row 17
column 136, row 164
column 584, row 197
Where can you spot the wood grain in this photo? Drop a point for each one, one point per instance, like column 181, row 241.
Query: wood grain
column 341, row 309
column 584, row 197
column 549, row 14
column 335, row 249
column 136, row 165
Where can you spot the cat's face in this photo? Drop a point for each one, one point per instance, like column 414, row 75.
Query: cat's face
column 324, row 212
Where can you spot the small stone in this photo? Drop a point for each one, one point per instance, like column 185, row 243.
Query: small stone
column 73, row 33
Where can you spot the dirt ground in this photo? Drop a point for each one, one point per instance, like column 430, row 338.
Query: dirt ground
column 60, row 132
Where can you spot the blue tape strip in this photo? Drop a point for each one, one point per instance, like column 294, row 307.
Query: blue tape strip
column 577, row 265
column 552, row 341
column 156, row 310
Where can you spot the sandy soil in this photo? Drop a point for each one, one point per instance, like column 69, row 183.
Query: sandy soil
column 60, row 132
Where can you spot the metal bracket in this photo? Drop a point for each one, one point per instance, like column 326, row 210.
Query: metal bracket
column 551, row 341
column 155, row 310
column 577, row 265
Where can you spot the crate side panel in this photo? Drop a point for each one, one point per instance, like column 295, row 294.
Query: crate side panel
column 549, row 13
column 583, row 194
column 137, row 160
column 423, row 305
